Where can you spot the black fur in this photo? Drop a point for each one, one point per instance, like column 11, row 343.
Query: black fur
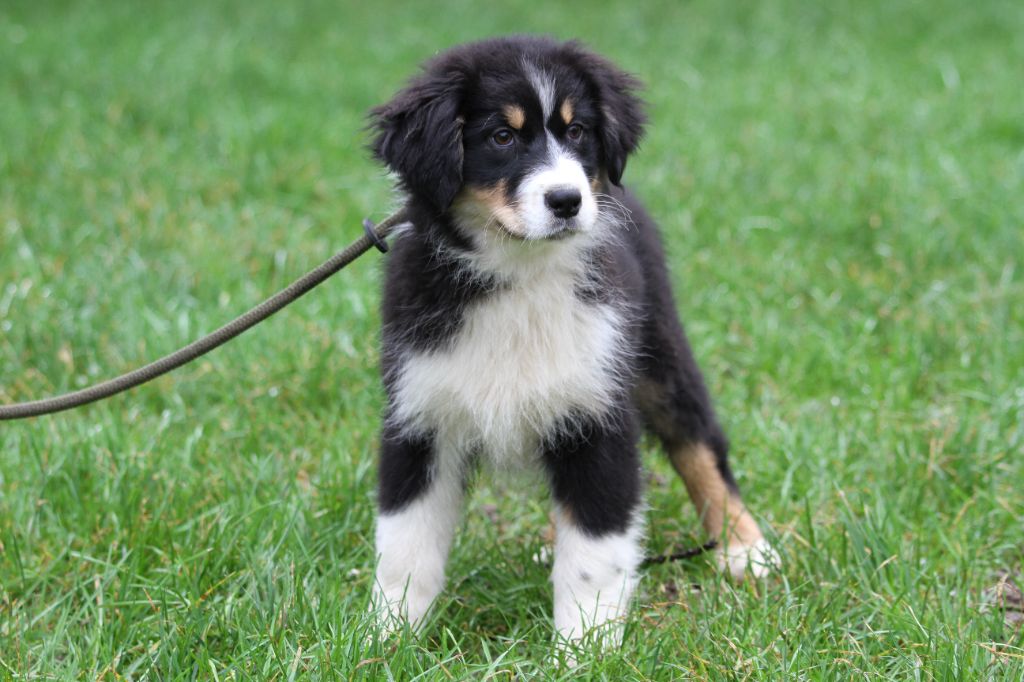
column 420, row 136
column 622, row 117
column 671, row 393
column 430, row 289
column 405, row 470
column 595, row 471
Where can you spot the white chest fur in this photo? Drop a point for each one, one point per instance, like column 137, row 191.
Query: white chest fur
column 523, row 359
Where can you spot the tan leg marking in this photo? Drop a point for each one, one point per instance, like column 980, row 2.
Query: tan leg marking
column 718, row 506
column 744, row 550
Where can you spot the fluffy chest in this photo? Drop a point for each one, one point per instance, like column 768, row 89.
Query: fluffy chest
column 522, row 360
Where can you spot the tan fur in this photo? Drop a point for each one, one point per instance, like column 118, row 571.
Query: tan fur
column 482, row 204
column 718, row 505
column 566, row 111
column 515, row 116
column 550, row 532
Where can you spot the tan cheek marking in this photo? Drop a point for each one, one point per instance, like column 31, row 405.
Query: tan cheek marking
column 566, row 111
column 491, row 197
column 718, row 505
column 493, row 202
column 515, row 116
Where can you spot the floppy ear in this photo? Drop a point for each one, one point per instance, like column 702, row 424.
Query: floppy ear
column 622, row 111
column 419, row 137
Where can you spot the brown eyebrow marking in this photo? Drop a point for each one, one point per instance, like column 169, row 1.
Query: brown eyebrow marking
column 566, row 111
column 515, row 116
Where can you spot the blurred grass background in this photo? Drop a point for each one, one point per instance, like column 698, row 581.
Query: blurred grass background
column 840, row 187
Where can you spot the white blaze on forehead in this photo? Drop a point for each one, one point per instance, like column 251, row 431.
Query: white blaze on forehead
column 544, row 85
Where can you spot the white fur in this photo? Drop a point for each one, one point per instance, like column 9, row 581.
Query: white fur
column 758, row 558
column 413, row 546
column 513, row 261
column 593, row 579
column 525, row 356
column 562, row 171
column 544, row 86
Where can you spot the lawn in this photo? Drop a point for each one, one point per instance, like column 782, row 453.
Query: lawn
column 841, row 189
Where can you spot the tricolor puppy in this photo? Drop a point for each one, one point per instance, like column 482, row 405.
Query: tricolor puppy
column 529, row 322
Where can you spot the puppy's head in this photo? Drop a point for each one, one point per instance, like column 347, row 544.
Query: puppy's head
column 514, row 136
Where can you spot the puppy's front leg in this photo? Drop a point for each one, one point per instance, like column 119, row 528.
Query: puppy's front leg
column 420, row 495
column 594, row 577
column 596, row 485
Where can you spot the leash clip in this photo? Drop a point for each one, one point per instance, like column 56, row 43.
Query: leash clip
column 375, row 238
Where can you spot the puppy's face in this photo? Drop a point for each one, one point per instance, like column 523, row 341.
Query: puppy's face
column 531, row 156
column 513, row 137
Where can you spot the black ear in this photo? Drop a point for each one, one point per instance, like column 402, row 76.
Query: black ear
column 622, row 111
column 419, row 137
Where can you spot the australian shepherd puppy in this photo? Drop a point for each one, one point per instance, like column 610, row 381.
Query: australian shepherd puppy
column 529, row 321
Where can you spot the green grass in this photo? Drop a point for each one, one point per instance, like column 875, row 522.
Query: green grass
column 841, row 187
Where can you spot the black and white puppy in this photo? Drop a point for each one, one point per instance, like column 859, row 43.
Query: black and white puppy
column 529, row 321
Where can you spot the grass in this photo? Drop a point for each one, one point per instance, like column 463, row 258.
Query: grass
column 841, row 187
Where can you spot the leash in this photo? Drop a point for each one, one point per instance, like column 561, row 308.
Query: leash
column 679, row 556
column 373, row 237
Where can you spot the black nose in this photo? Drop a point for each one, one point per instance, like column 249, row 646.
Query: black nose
column 564, row 203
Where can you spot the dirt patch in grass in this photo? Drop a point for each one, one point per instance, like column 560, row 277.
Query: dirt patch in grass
column 1006, row 595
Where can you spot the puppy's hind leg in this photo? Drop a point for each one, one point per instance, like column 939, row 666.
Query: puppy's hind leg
column 420, row 497
column 677, row 408
column 724, row 516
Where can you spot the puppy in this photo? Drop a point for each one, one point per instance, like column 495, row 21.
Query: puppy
column 528, row 321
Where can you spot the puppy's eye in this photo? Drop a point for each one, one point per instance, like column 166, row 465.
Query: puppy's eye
column 574, row 132
column 503, row 137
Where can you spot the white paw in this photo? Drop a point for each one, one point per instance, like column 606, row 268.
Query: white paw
column 757, row 559
column 399, row 603
column 594, row 579
column 542, row 555
column 595, row 640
